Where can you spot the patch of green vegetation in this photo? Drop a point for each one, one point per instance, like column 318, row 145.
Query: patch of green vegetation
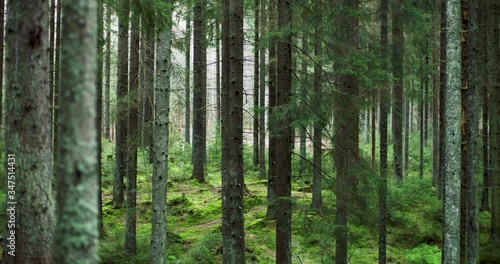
column 424, row 254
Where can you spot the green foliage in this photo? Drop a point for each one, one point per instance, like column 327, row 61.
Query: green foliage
column 205, row 251
column 424, row 254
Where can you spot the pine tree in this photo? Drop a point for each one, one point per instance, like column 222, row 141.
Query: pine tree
column 27, row 136
column 77, row 229
column 199, row 91
column 451, row 222
column 161, row 137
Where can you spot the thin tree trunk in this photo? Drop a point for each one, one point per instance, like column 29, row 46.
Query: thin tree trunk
column 160, row 139
column 397, row 65
column 57, row 84
column 426, row 96
column 317, row 198
column 121, row 112
column 271, row 186
column 451, row 221
column 262, row 94
column 483, row 62
column 442, row 101
column 27, row 135
column 373, row 130
column 384, row 106
column 408, row 121
column 303, row 100
column 132, row 140
column 107, row 74
column 255, row 143
column 199, row 91
column 100, row 44
column 187, row 78
column 421, row 114
column 52, row 47
column 435, row 102
column 77, row 229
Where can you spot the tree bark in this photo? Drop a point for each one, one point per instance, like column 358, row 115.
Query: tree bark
column 435, row 102
column 484, row 77
column 161, row 138
column 346, row 126
column 397, row 65
column 233, row 238
column 99, row 84
column 27, row 135
column 317, row 197
column 199, row 91
column 495, row 123
column 303, row 101
column 470, row 119
column 121, row 112
column 187, row 78
column 271, row 186
column 107, row 74
column 451, row 221
column 384, row 106
column 256, row 76
column 77, row 229
column 284, row 140
column 262, row 94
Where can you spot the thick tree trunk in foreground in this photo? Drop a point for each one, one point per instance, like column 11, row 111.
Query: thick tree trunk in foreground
column 233, row 234
column 284, row 140
column 121, row 112
column 132, row 138
column 451, row 221
column 27, row 135
column 346, row 128
column 160, row 142
column 77, row 229
column 199, row 92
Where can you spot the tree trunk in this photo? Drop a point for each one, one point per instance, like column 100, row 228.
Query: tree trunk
column 373, row 130
column 346, row 127
column 187, row 78
column 483, row 62
column 52, row 47
column 77, row 212
column 262, row 95
column 160, row 139
column 255, row 143
column 271, row 186
column 317, row 197
column 199, row 91
column 384, row 106
column 121, row 112
column 107, row 73
column 397, row 65
column 57, row 84
column 451, row 221
column 303, row 102
column 442, row 101
column 421, row 125
column 27, row 135
column 435, row 102
column 408, row 120
column 147, row 84
column 233, row 238
column 100, row 45
column 470, row 119
column 284, row 140
column 494, row 17
column 132, row 139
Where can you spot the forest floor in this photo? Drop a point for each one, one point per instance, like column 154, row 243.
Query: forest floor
column 194, row 215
